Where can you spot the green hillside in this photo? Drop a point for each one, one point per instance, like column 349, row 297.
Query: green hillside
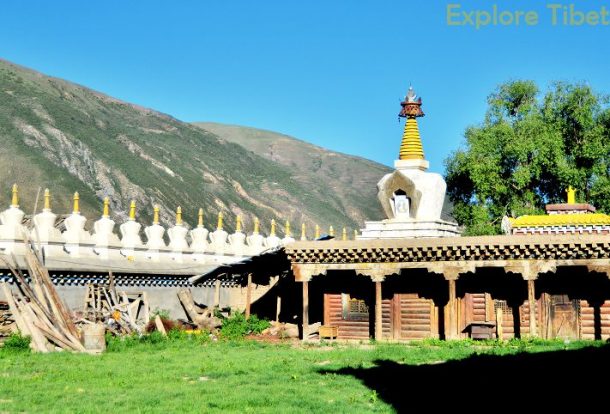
column 69, row 138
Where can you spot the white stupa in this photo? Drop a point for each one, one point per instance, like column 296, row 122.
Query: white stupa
column 411, row 197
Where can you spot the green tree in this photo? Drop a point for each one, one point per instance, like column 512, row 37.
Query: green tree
column 527, row 151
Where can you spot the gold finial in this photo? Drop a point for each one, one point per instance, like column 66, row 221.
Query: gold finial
column 179, row 216
column 106, row 212
column 47, row 199
column 344, row 235
column 200, row 221
column 219, row 225
column 238, row 224
column 156, row 214
column 303, row 232
column 287, row 229
column 317, row 233
column 355, row 234
column 132, row 210
column 411, row 147
column 257, row 225
column 571, row 195
column 331, row 231
column 15, row 198
column 76, row 209
column 272, row 228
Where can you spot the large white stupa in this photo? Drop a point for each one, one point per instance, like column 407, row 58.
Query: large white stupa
column 411, row 197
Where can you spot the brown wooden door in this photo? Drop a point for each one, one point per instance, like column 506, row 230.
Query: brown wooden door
column 564, row 313
column 350, row 314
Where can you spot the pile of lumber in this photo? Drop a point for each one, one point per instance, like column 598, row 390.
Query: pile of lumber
column 123, row 313
column 37, row 308
column 7, row 323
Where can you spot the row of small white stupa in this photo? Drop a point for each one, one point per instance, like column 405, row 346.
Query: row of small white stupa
column 105, row 244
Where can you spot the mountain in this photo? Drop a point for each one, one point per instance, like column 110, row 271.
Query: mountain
column 68, row 138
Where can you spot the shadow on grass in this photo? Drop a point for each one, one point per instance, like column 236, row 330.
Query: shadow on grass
column 574, row 378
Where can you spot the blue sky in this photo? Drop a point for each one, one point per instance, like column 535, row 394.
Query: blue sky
column 330, row 72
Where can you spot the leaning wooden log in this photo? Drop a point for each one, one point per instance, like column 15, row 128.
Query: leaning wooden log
column 160, row 326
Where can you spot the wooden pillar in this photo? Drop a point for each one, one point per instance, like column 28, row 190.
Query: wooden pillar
column 499, row 320
column 305, row 310
column 278, row 308
column 452, row 311
column 248, row 295
column 531, row 298
column 217, row 293
column 378, row 314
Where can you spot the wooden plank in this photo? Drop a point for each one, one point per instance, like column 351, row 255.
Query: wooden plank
column 159, row 325
column 249, row 296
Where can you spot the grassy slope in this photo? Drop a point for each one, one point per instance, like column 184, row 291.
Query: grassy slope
column 66, row 137
column 185, row 376
column 342, row 179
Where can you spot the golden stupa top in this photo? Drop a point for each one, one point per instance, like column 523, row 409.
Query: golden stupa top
column 411, row 147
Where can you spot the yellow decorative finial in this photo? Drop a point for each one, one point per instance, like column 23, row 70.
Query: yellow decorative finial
column 317, row 233
column 303, row 232
column 132, row 210
column 272, row 227
column 344, row 235
column 106, row 212
column 179, row 216
column 200, row 221
column 571, row 195
column 47, row 199
column 156, row 214
column 331, row 231
column 238, row 224
column 219, row 225
column 257, row 225
column 287, row 229
column 76, row 209
column 15, row 198
column 411, row 147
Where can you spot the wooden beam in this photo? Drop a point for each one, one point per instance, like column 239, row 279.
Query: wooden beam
column 452, row 304
column 305, row 310
column 248, row 295
column 378, row 315
column 499, row 320
column 531, row 298
column 217, row 294
column 278, row 308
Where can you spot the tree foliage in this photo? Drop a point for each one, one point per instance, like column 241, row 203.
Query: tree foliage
column 527, row 151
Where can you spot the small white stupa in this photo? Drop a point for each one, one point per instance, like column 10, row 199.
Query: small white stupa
column 411, row 197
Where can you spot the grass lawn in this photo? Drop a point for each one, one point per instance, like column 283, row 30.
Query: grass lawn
column 191, row 375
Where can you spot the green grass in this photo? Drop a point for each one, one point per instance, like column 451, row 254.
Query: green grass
column 189, row 374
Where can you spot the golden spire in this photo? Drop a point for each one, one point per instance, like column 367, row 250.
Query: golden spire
column 287, row 229
column 344, row 235
column 132, row 210
column 331, row 231
column 571, row 195
column 272, row 228
column 156, row 214
column 47, row 199
column 317, row 233
column 238, row 224
column 411, row 147
column 303, row 232
column 200, row 220
column 15, row 198
column 179, row 216
column 106, row 211
column 219, row 225
column 76, row 209
column 257, row 225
